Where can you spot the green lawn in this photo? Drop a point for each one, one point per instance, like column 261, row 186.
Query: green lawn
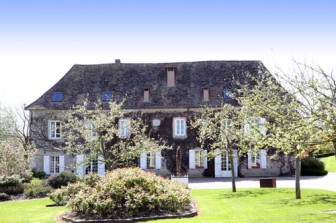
column 330, row 163
column 248, row 205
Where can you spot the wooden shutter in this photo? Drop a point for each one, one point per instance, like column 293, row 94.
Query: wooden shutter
column 143, row 160
column 101, row 166
column 192, row 158
column 80, row 165
column 158, row 160
column 249, row 160
column 46, row 164
column 61, row 164
column 205, row 164
column 263, row 159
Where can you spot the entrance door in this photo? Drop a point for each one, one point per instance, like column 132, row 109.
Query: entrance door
column 223, row 165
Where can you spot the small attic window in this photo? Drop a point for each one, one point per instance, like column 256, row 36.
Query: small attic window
column 57, row 97
column 205, row 94
column 146, row 95
column 106, row 96
column 227, row 93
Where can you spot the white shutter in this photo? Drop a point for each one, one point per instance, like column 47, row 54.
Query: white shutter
column 158, row 160
column 192, row 164
column 46, row 164
column 249, row 160
column 263, row 159
column 205, row 164
column 80, row 165
column 218, row 166
column 143, row 160
column 235, row 162
column 101, row 166
column 61, row 164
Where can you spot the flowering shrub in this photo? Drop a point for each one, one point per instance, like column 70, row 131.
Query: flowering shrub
column 126, row 193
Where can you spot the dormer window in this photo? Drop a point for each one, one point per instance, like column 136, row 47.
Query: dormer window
column 57, row 97
column 205, row 94
column 106, row 96
column 146, row 95
column 171, row 76
column 227, row 93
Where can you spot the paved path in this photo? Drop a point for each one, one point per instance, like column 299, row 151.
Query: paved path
column 327, row 182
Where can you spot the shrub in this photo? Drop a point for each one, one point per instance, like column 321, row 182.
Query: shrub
column 11, row 185
column 62, row 179
column 311, row 166
column 128, row 193
column 4, row 197
column 39, row 174
column 63, row 195
column 37, row 188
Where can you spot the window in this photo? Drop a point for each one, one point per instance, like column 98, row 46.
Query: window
column 106, row 96
column 255, row 160
column 54, row 129
column 170, row 77
column 90, row 133
column 205, row 94
column 227, row 93
column 124, row 127
column 150, row 160
column 146, row 95
column 199, row 156
column 180, row 127
column 57, row 97
column 255, row 126
column 54, row 164
column 92, row 166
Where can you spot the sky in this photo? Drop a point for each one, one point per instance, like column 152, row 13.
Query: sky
column 41, row 40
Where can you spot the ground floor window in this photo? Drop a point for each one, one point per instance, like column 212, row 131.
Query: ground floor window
column 150, row 160
column 92, row 166
column 54, row 164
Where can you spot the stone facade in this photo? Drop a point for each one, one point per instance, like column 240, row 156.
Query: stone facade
column 182, row 99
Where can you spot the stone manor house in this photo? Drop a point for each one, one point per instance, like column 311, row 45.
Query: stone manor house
column 166, row 95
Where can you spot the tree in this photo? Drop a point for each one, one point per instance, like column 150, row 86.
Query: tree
column 104, row 131
column 227, row 130
column 290, row 125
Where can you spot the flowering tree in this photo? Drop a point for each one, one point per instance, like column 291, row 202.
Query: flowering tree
column 105, row 131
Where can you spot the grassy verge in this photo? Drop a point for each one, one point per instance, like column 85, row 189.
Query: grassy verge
column 221, row 205
column 330, row 163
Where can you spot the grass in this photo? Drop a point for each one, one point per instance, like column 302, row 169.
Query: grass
column 330, row 163
column 221, row 205
column 28, row 211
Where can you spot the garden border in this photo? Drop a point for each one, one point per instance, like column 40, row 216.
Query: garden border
column 72, row 217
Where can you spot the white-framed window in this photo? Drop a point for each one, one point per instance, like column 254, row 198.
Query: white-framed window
column 54, row 129
column 180, row 127
column 198, row 158
column 91, row 132
column 150, row 160
column 92, row 166
column 257, row 159
column 54, row 164
column 124, row 127
column 254, row 125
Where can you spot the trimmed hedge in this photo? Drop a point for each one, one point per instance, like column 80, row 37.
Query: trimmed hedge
column 37, row 188
column 125, row 193
column 62, row 179
column 11, row 185
column 311, row 166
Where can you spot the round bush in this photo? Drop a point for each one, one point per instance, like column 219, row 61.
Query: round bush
column 37, row 188
column 4, row 197
column 130, row 192
column 11, row 185
column 311, row 166
column 62, row 179
column 39, row 174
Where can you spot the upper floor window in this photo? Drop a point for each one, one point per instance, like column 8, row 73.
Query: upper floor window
column 57, row 97
column 106, row 96
column 124, row 127
column 54, row 129
column 255, row 125
column 171, row 76
column 146, row 95
column 179, row 127
column 205, row 94
column 227, row 93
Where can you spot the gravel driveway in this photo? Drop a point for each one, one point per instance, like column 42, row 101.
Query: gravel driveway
column 327, row 182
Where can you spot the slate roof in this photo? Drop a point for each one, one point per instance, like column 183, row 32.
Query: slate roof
column 128, row 80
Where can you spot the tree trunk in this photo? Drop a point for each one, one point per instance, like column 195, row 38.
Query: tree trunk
column 297, row 177
column 233, row 179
